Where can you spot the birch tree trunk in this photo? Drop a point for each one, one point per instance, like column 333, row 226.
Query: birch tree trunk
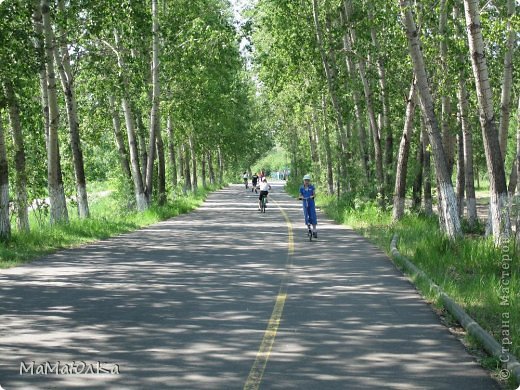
column 448, row 201
column 171, row 151
column 507, row 80
column 383, row 126
column 447, row 136
column 140, row 196
column 467, row 136
column 39, row 44
column 161, row 170
column 460, row 184
column 211, row 169
column 328, row 151
column 427, row 180
column 402, row 159
column 187, row 168
column 182, row 168
column 376, row 135
column 141, row 146
column 203, row 170
column 194, row 180
column 19, row 157
column 360, row 127
column 467, row 133
column 155, row 121
column 220, row 166
column 330, row 82
column 120, row 143
column 63, row 63
column 40, row 53
column 499, row 211
column 5, row 222
column 418, row 175
column 58, row 205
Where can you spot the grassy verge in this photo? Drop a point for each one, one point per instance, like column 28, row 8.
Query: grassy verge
column 470, row 270
column 107, row 220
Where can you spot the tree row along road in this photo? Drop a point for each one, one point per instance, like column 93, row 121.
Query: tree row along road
column 186, row 303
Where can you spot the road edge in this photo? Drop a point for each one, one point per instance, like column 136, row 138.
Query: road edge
column 510, row 365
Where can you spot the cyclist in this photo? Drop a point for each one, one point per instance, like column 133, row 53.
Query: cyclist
column 307, row 194
column 254, row 181
column 245, row 177
column 264, row 191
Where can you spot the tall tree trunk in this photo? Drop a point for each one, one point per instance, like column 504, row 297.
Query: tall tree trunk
column 449, row 203
column 418, row 175
column 210, row 168
column 468, row 153
column 507, row 80
column 38, row 42
column 384, row 126
column 328, row 151
column 171, row 151
column 120, row 143
column 376, row 135
column 461, row 180
column 161, row 170
column 329, row 74
column 194, row 179
column 500, row 221
column 360, row 122
column 19, row 158
column 467, row 133
column 141, row 146
column 140, row 196
column 402, row 159
column 155, row 121
column 62, row 58
column 58, row 205
column 220, row 166
column 5, row 222
column 448, row 141
column 187, row 168
column 315, row 136
column 182, row 168
column 203, row 170
column 427, row 190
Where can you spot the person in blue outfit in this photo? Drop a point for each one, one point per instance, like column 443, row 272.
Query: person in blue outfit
column 307, row 194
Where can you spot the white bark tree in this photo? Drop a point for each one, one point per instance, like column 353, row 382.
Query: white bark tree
column 19, row 157
column 58, row 205
column 402, row 157
column 448, row 200
column 63, row 63
column 5, row 222
column 499, row 211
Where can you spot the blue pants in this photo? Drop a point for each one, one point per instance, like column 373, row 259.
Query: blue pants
column 309, row 211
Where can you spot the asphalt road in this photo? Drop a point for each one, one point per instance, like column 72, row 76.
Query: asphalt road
column 225, row 298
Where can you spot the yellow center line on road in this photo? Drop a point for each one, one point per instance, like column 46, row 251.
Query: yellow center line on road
column 257, row 370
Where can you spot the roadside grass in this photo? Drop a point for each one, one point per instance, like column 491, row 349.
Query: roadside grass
column 470, row 269
column 107, row 219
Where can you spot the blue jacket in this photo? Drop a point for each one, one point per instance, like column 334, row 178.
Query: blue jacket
column 307, row 192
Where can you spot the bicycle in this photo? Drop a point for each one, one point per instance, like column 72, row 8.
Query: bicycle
column 263, row 204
